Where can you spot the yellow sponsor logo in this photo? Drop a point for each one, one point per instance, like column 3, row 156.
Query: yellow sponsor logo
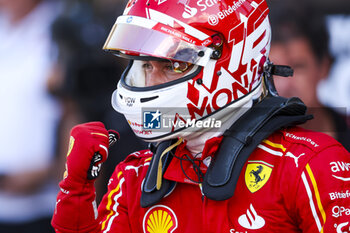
column 257, row 174
column 65, row 174
column 70, row 147
column 159, row 219
column 71, row 144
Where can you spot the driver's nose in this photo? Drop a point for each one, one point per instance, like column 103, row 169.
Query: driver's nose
column 155, row 74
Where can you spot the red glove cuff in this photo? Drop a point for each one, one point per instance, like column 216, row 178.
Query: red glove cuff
column 76, row 209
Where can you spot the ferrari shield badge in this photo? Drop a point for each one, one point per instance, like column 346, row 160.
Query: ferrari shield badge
column 257, row 174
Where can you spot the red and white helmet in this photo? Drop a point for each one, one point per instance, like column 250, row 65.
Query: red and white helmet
column 226, row 44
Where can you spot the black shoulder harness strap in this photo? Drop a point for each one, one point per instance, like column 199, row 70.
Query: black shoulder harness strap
column 150, row 194
column 269, row 115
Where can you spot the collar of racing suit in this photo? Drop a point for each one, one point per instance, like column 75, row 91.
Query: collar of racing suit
column 178, row 165
column 193, row 167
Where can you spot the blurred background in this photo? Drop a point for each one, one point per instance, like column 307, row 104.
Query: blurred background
column 54, row 75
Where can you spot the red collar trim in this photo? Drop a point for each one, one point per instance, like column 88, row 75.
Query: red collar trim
column 181, row 165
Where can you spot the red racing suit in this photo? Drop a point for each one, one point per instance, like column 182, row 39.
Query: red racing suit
column 294, row 181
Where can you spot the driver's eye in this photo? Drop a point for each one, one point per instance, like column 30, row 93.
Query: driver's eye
column 147, row 66
column 164, row 66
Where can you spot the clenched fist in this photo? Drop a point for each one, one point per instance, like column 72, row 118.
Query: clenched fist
column 88, row 149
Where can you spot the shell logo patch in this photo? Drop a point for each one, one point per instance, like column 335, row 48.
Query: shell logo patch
column 159, row 219
column 257, row 174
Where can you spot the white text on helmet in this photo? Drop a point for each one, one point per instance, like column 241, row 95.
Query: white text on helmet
column 206, row 3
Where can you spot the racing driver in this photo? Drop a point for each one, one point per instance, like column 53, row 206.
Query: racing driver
column 225, row 155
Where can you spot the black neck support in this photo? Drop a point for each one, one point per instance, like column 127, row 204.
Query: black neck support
column 241, row 139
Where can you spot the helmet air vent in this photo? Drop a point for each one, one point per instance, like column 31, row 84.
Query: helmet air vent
column 143, row 100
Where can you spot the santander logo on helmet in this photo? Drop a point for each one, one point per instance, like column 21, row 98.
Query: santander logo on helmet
column 230, row 54
column 204, row 4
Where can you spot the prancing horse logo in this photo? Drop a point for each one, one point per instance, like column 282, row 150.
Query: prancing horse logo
column 257, row 174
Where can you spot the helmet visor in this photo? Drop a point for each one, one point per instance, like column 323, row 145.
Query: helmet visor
column 149, row 73
column 132, row 37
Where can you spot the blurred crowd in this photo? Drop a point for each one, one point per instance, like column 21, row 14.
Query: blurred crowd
column 54, row 75
column 301, row 39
